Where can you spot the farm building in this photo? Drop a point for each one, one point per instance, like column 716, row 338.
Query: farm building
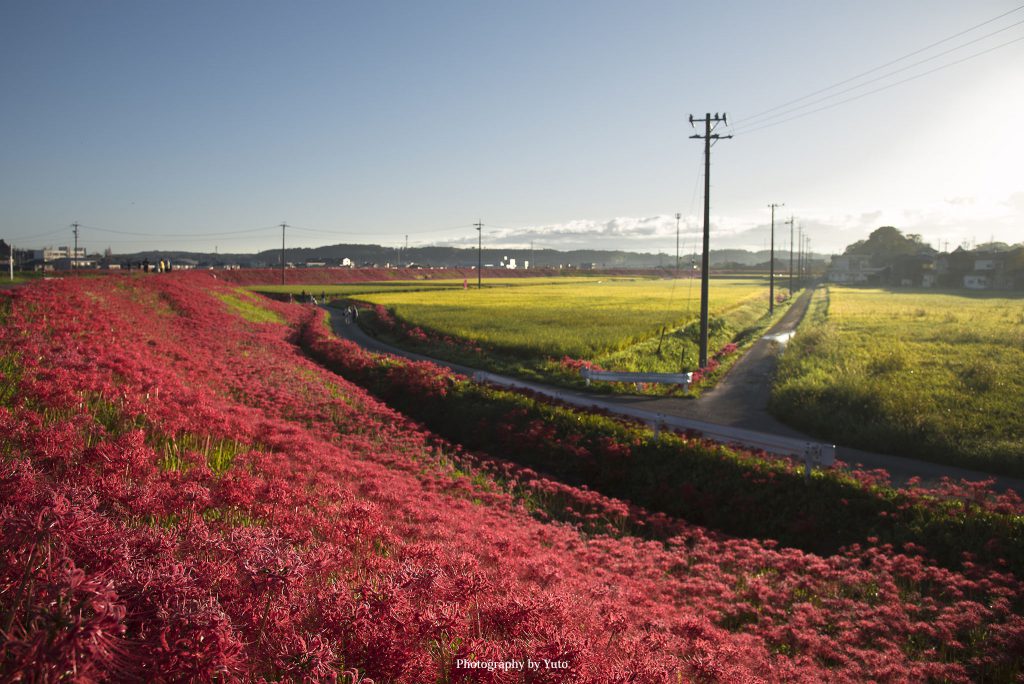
column 854, row 269
column 982, row 270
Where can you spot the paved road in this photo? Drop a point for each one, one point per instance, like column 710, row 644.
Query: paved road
column 739, row 400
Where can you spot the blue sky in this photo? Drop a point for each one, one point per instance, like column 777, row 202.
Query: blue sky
column 194, row 125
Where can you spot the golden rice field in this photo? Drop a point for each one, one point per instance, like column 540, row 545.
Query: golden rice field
column 936, row 375
column 583, row 320
column 423, row 285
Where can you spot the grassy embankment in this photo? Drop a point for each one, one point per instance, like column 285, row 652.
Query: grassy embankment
column 925, row 374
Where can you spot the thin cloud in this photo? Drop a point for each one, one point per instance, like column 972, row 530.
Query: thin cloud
column 950, row 221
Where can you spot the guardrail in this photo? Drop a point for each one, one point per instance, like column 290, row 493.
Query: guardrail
column 636, row 378
column 812, row 453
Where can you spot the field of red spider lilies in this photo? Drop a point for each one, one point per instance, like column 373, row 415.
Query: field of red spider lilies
column 185, row 494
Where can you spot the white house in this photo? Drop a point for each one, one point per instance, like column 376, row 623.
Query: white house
column 852, row 269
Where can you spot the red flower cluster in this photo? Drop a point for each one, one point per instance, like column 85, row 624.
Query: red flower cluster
column 184, row 493
column 576, row 365
column 713, row 363
column 385, row 320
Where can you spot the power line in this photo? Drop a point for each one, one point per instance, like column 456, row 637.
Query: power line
column 878, row 90
column 330, row 232
column 752, row 120
column 883, row 66
column 181, row 235
column 441, row 230
column 36, row 236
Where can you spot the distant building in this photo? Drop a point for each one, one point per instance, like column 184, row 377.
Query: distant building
column 67, row 263
column 854, row 269
column 981, row 270
column 48, row 254
column 912, row 270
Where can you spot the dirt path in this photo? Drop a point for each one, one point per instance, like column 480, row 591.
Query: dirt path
column 741, row 397
column 739, row 400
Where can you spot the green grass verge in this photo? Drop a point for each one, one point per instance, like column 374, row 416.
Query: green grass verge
column 248, row 306
column 919, row 373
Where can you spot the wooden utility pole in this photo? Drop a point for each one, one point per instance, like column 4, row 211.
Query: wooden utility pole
column 710, row 122
column 479, row 252
column 678, row 216
column 808, row 261
column 800, row 254
column 74, row 255
column 771, row 263
column 790, row 222
column 283, row 226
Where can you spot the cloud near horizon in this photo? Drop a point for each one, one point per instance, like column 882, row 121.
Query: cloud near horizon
column 639, row 234
column 958, row 220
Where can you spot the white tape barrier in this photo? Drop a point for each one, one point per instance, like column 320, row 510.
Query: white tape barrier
column 617, row 376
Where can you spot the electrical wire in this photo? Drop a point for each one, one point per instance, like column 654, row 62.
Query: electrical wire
column 747, row 123
column 36, row 236
column 178, row 235
column 878, row 90
column 882, row 66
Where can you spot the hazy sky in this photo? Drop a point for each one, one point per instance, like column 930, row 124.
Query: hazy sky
column 194, row 125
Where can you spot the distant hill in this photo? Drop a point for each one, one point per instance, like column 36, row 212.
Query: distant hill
column 452, row 256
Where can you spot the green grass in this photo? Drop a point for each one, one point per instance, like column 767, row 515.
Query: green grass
column 633, row 325
column 248, row 307
column 927, row 374
column 218, row 452
column 19, row 276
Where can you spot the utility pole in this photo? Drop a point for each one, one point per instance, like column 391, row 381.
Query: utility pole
column 74, row 255
column 790, row 222
column 771, row 263
column 10, row 261
column 678, row 216
column 479, row 251
column 405, row 252
column 283, row 226
column 710, row 122
column 808, row 257
column 800, row 254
